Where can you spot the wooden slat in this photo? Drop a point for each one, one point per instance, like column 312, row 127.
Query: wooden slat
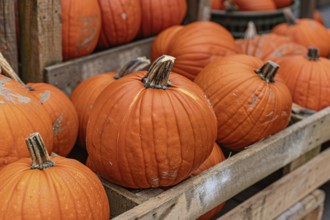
column 307, row 207
column 216, row 185
column 315, row 215
column 41, row 41
column 198, row 10
column 67, row 75
column 307, row 8
column 8, row 44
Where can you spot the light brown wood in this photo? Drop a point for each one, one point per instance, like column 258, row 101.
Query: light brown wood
column 221, row 182
column 40, row 24
column 67, row 75
column 308, row 206
column 285, row 192
column 8, row 43
column 317, row 214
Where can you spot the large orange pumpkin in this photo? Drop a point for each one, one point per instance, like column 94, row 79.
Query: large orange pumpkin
column 306, row 32
column 308, row 78
column 215, row 157
column 161, row 14
column 248, row 102
column 268, row 46
column 85, row 94
column 282, row 3
column 153, row 132
column 81, row 26
column 56, row 188
column 121, row 20
column 194, row 46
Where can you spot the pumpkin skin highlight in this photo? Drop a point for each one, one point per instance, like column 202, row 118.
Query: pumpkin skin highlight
column 255, row 5
column 282, row 3
column 247, row 107
column 194, row 46
column 141, row 137
column 81, row 27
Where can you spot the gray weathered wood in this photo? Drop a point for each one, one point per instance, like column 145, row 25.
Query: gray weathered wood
column 40, row 24
column 216, row 185
column 309, row 205
column 67, row 75
column 8, row 43
column 307, row 8
column 198, row 10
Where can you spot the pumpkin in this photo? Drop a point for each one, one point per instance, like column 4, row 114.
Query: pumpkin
column 81, row 27
column 161, row 14
column 249, row 5
column 216, row 4
column 282, row 3
column 194, row 46
column 306, row 32
column 50, row 188
column 62, row 113
column 121, row 21
column 150, row 129
column 249, row 104
column 318, row 17
column 268, row 46
column 215, row 157
column 85, row 94
column 308, row 79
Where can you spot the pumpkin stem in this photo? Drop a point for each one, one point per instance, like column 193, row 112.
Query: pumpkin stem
column 38, row 152
column 5, row 69
column 133, row 66
column 251, row 31
column 313, row 53
column 229, row 5
column 158, row 73
column 289, row 16
column 268, row 71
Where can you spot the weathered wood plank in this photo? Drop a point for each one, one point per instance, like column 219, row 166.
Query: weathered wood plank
column 275, row 199
column 8, row 42
column 308, row 206
column 216, row 185
column 67, row 75
column 198, row 10
column 317, row 214
column 40, row 24
column 307, row 8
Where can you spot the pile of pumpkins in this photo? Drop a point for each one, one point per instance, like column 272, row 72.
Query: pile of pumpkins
column 156, row 127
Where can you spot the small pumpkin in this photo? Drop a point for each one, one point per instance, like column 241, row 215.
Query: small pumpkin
column 62, row 113
column 216, row 4
column 50, row 188
column 308, row 79
column 81, row 27
column 268, row 46
column 194, row 46
column 161, row 14
column 215, row 157
column 121, row 21
column 248, row 102
column 150, row 129
column 282, row 3
column 306, row 32
column 84, row 95
column 249, row 5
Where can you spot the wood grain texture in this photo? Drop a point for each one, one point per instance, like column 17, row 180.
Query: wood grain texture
column 8, row 43
column 40, row 24
column 198, row 10
column 66, row 76
column 273, row 200
column 202, row 193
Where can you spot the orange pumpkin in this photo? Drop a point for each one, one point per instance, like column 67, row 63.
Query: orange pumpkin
column 84, row 95
column 268, row 46
column 282, row 3
column 250, row 5
column 153, row 132
column 56, row 188
column 318, row 17
column 121, row 20
column 306, row 32
column 249, row 104
column 81, row 26
column 308, row 79
column 194, row 46
column 161, row 14
column 216, row 4
column 215, row 157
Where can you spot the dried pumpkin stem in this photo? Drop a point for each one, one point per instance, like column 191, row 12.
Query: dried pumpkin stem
column 133, row 66
column 289, row 16
column 313, row 53
column 158, row 73
column 268, row 71
column 38, row 152
column 251, row 31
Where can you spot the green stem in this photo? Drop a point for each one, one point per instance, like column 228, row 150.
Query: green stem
column 158, row 73
column 38, row 152
column 313, row 53
column 289, row 16
column 268, row 71
column 133, row 66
